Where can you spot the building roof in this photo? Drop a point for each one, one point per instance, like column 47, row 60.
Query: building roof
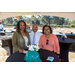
column 69, row 15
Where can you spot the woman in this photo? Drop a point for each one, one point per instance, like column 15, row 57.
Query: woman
column 20, row 39
column 49, row 41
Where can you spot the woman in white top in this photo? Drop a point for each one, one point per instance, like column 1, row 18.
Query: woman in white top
column 20, row 39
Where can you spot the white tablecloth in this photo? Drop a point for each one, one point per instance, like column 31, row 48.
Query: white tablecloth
column 5, row 31
column 59, row 33
column 5, row 37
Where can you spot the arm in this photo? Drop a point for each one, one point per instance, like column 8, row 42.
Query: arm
column 40, row 42
column 14, row 40
column 56, row 47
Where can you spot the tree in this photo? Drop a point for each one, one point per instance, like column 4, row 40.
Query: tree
column 66, row 21
column 33, row 22
column 46, row 20
column 61, row 21
column 33, row 19
column 37, row 22
column 56, row 20
column 8, row 21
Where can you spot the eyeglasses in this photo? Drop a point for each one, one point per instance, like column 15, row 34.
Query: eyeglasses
column 47, row 42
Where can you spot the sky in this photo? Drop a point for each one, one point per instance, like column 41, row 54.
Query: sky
column 29, row 16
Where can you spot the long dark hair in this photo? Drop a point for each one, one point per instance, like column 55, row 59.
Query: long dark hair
column 48, row 27
column 18, row 26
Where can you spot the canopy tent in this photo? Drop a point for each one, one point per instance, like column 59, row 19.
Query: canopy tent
column 69, row 15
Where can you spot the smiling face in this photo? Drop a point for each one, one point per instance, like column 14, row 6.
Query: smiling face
column 46, row 31
column 35, row 28
column 22, row 26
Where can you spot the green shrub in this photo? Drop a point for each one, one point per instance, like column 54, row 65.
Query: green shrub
column 72, row 25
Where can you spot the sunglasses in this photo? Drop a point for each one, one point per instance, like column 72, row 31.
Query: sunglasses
column 47, row 42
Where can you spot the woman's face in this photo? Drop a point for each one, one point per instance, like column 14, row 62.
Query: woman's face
column 46, row 31
column 22, row 26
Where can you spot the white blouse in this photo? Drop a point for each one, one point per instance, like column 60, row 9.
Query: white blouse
column 26, row 40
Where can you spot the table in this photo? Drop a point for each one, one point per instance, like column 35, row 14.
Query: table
column 18, row 57
column 9, row 43
column 72, row 36
column 2, row 33
column 59, row 34
column 3, row 42
column 64, row 47
column 45, row 53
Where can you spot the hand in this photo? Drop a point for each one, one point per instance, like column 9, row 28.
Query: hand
column 21, row 50
column 24, row 51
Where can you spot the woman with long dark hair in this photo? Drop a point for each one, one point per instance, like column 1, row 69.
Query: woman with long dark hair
column 20, row 39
